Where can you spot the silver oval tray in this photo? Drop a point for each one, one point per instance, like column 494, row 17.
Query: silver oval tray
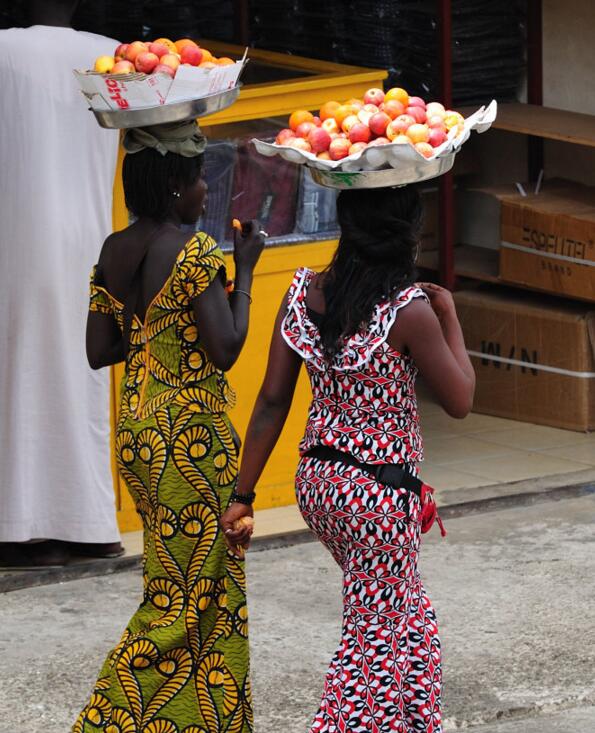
column 385, row 178
column 164, row 113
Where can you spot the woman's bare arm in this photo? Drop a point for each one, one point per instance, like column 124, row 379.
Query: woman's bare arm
column 103, row 340
column 432, row 335
column 266, row 423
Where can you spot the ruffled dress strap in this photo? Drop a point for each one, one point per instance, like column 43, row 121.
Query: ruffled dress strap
column 298, row 331
column 100, row 300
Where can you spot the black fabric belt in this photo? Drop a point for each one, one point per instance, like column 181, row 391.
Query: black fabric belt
column 392, row 474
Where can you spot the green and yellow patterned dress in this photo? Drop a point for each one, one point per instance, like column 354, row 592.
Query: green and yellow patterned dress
column 182, row 664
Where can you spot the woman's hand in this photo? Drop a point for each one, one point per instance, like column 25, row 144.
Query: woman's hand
column 237, row 537
column 248, row 245
column 441, row 301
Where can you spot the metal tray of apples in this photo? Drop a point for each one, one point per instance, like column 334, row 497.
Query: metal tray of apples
column 165, row 113
column 384, row 165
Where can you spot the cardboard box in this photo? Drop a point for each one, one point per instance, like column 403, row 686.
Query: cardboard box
column 546, row 240
column 534, row 356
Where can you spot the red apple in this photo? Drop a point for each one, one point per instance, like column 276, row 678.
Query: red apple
column 317, row 121
column 349, row 122
column 283, row 136
column 303, row 129
column 122, row 67
column 319, row 139
column 339, row 148
column 134, row 49
column 417, row 102
column 393, row 108
column 373, row 108
column 399, row 125
column 164, row 69
column 379, row 141
column 436, row 121
column 435, row 108
column 324, row 156
column 378, row 123
column 300, row 144
column 418, row 114
column 191, row 55
column 145, row 62
column 360, row 133
column 170, row 59
column 374, row 96
column 425, row 149
column 120, row 52
column 159, row 49
column 330, row 125
column 437, row 137
column 418, row 133
column 402, row 140
column 357, row 148
column 364, row 116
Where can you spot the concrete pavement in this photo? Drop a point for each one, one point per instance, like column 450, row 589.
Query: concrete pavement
column 514, row 591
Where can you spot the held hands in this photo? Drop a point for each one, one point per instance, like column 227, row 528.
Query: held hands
column 238, row 525
column 441, row 301
column 248, row 243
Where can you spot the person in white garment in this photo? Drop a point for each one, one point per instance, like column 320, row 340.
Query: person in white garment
column 58, row 166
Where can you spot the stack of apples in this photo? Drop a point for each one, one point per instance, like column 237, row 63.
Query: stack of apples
column 159, row 57
column 380, row 118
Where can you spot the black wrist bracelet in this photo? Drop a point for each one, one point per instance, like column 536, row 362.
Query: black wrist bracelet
column 247, row 499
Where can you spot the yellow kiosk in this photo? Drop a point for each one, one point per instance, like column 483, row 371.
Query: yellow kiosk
column 291, row 210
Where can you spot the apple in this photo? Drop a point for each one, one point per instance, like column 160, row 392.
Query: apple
column 145, row 62
column 418, row 113
column 418, row 133
column 378, row 123
column 324, row 156
column 317, row 121
column 379, row 141
column 436, row 121
column 134, row 49
column 284, row 135
column 318, row 138
column 435, row 108
column 373, row 108
column 330, row 125
column 104, row 64
column 400, row 124
column 452, row 119
column 374, row 96
column 356, row 103
column 191, row 55
column 207, row 65
column 364, row 116
column 402, row 140
column 122, row 67
column 339, row 148
column 120, row 52
column 417, row 102
column 159, row 49
column 164, row 69
column 425, row 149
column 303, row 129
column 393, row 108
column 300, row 144
column 357, row 148
column 170, row 59
column 437, row 137
column 360, row 133
column 225, row 61
column 349, row 122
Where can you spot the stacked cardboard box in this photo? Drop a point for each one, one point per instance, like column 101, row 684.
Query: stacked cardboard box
column 546, row 240
column 534, row 356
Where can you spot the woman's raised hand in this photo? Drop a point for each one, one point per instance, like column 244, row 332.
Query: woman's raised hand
column 441, row 300
column 248, row 244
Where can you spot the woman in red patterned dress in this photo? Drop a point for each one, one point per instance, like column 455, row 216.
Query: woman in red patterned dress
column 364, row 329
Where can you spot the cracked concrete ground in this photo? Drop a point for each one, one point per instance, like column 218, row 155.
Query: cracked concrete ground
column 514, row 591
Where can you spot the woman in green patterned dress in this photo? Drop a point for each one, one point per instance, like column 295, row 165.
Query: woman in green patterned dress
column 159, row 301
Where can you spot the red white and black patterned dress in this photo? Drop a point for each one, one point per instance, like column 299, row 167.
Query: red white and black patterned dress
column 386, row 674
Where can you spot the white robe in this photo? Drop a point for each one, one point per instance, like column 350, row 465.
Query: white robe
column 56, row 175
